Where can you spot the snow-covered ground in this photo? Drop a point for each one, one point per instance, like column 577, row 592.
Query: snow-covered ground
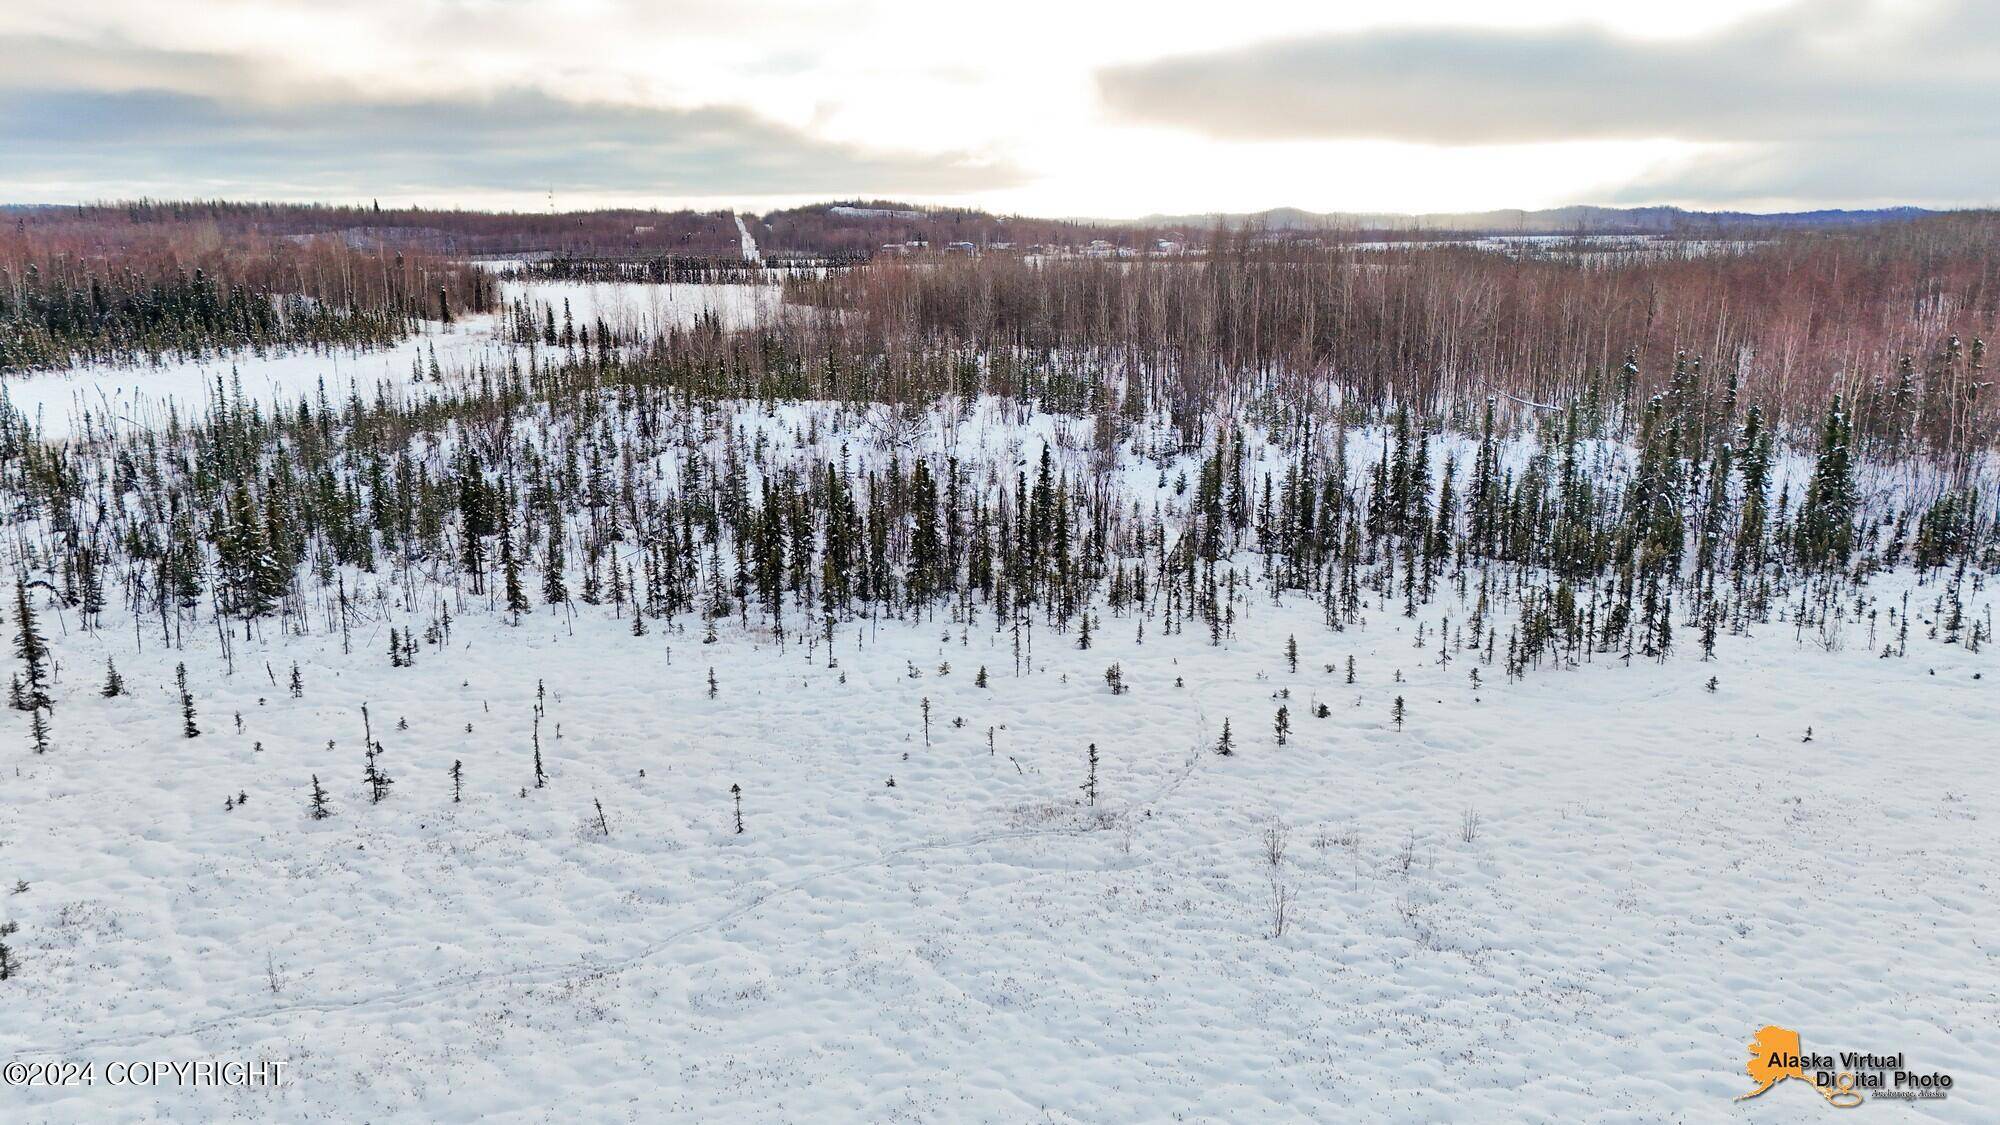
column 1656, row 872
column 1573, row 897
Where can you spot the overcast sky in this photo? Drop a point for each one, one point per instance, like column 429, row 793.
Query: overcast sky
column 1042, row 106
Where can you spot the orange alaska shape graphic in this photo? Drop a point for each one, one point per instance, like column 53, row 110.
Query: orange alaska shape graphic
column 1775, row 1055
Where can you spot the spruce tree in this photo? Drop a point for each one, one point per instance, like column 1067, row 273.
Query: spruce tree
column 251, row 580
column 38, row 730
column 555, row 591
column 1226, row 745
column 33, row 650
column 1824, row 533
column 510, row 567
column 1283, row 723
column 377, row 781
column 541, row 778
column 114, row 684
column 188, row 728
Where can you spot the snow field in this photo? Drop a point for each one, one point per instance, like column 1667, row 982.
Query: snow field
column 1657, row 872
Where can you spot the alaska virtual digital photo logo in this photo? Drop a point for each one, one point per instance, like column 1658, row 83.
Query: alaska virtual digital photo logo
column 1776, row 1054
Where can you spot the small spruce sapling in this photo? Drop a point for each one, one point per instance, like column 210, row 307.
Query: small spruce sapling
column 318, row 807
column 114, row 683
column 1292, row 652
column 1226, row 745
column 736, row 792
column 377, row 781
column 1283, row 723
column 188, row 729
column 541, row 779
column 1396, row 712
column 1090, row 780
column 457, row 781
column 38, row 730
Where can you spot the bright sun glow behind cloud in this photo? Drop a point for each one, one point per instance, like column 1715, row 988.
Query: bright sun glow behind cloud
column 765, row 102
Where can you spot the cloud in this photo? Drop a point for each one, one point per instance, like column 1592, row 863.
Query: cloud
column 1863, row 173
column 1833, row 70
column 133, row 119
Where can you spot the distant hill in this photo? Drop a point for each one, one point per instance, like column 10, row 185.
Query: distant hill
column 855, row 227
column 1555, row 220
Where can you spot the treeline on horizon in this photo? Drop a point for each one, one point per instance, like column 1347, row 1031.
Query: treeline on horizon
column 75, row 292
column 636, row 234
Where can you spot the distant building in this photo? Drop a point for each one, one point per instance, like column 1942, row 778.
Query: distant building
column 965, row 248
column 642, row 230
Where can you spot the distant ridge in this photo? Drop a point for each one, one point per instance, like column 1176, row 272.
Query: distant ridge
column 1554, row 220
